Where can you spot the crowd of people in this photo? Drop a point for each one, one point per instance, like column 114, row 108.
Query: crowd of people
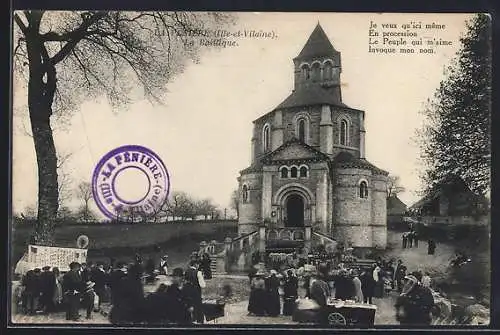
column 324, row 280
column 410, row 239
column 179, row 301
column 86, row 286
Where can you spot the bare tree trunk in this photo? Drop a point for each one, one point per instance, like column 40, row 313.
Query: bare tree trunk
column 48, row 202
column 41, row 90
column 86, row 212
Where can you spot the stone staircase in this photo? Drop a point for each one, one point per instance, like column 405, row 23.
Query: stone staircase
column 218, row 251
column 213, row 265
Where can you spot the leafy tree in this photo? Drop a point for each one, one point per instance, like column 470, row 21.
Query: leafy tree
column 394, row 186
column 456, row 136
column 66, row 57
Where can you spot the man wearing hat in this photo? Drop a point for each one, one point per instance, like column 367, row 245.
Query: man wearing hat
column 290, row 293
column 116, row 282
column 193, row 284
column 177, row 309
column 167, row 305
column 88, row 298
column 72, row 287
column 99, row 277
column 163, row 265
column 30, row 283
column 47, row 288
column 414, row 305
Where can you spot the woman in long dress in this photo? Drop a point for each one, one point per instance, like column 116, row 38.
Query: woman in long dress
column 379, row 283
column 205, row 266
column 257, row 301
column 358, row 292
column 290, row 293
column 272, row 288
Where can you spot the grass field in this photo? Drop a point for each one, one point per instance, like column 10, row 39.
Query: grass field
column 122, row 241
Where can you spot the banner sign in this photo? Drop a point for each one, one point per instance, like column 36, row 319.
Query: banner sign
column 40, row 256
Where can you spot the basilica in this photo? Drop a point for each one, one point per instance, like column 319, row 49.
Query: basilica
column 308, row 173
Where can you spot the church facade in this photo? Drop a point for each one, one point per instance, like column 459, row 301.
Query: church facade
column 308, row 165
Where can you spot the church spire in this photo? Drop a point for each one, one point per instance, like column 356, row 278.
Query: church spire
column 317, row 68
column 318, row 45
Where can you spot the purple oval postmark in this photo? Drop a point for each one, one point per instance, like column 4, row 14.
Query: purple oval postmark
column 130, row 179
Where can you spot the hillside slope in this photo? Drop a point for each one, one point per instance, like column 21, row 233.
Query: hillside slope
column 122, row 241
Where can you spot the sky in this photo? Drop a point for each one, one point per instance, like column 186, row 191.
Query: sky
column 203, row 131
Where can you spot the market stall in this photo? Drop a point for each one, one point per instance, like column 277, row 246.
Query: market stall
column 336, row 313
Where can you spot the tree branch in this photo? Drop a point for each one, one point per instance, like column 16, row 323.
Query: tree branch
column 61, row 159
column 20, row 23
column 76, row 36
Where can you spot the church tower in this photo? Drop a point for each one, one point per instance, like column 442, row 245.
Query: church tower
column 308, row 175
column 318, row 65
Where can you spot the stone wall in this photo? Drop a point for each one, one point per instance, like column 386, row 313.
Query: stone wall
column 317, row 183
column 356, row 220
column 316, row 172
column 352, row 214
column 354, row 131
column 377, row 190
column 250, row 212
column 314, row 113
column 258, row 133
column 277, row 130
column 283, row 129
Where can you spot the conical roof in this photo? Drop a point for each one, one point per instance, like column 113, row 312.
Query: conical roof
column 308, row 96
column 318, row 45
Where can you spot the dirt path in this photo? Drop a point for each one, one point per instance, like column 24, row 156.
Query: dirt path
column 60, row 318
column 417, row 258
column 235, row 313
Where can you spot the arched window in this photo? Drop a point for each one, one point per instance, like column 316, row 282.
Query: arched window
column 244, row 193
column 327, row 71
column 316, row 72
column 293, row 172
column 363, row 190
column 302, row 129
column 266, row 138
column 301, row 122
column 284, row 172
column 344, row 132
column 303, row 171
column 305, row 71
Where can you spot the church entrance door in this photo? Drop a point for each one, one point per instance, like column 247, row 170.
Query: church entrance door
column 294, row 211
